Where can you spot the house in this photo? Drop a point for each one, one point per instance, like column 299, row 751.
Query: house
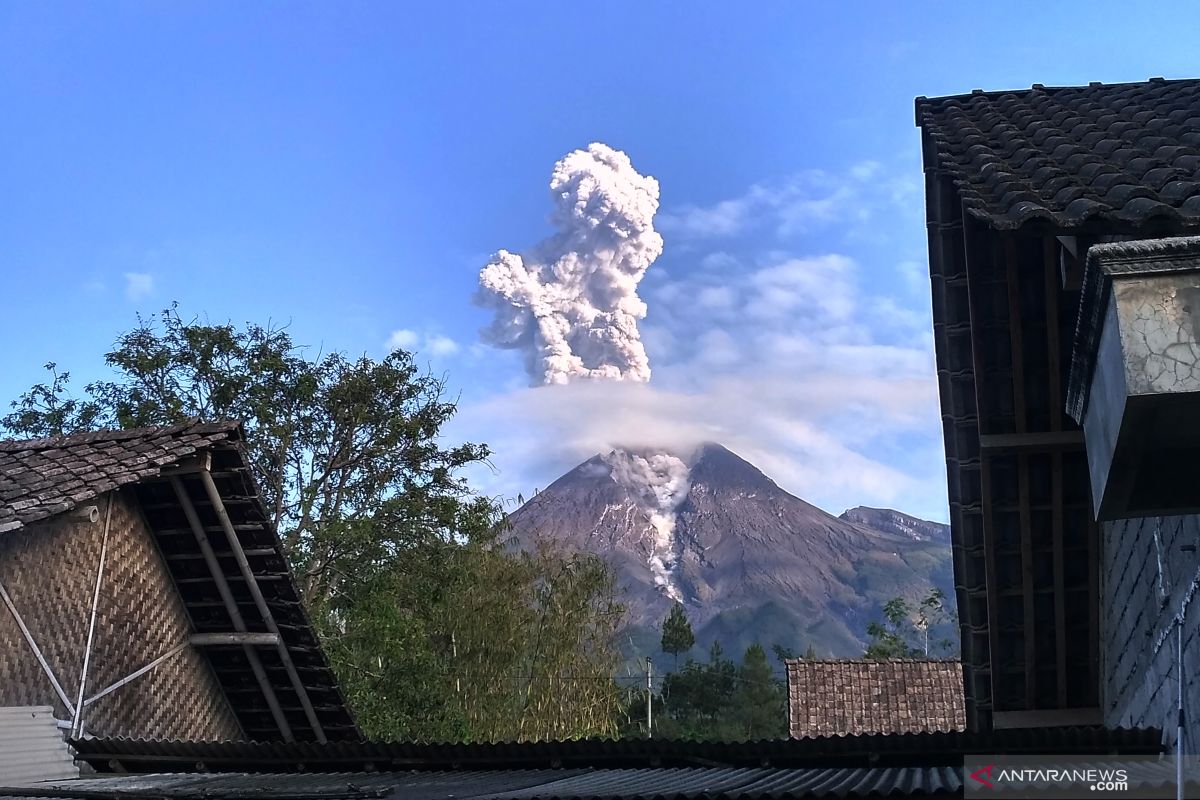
column 859, row 696
column 1063, row 282
column 144, row 593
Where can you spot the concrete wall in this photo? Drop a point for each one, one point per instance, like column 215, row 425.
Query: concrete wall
column 1150, row 570
column 49, row 570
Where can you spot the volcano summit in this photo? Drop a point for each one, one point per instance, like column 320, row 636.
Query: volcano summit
column 749, row 561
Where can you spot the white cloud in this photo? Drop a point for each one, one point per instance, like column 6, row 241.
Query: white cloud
column 403, row 339
column 432, row 343
column 827, row 388
column 138, row 285
column 441, row 345
column 812, row 433
column 798, row 204
column 716, row 297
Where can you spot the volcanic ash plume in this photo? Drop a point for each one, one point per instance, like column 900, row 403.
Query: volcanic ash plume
column 571, row 303
column 660, row 481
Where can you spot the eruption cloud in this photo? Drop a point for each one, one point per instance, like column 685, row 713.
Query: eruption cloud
column 570, row 304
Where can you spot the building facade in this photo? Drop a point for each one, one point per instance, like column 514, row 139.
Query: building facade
column 144, row 593
column 1072, row 587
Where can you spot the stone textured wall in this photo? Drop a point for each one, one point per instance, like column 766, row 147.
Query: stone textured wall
column 1150, row 570
column 49, row 571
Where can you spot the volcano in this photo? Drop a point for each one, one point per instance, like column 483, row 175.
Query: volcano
column 748, row 561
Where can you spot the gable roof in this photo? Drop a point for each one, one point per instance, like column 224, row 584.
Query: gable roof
column 299, row 697
column 1124, row 153
column 839, row 697
column 40, row 478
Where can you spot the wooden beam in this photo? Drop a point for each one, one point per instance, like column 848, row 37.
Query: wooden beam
column 235, row 546
column 971, row 253
column 1048, row 718
column 240, row 637
column 1060, row 593
column 1032, row 441
column 189, row 466
column 1057, row 403
column 250, row 553
column 231, row 607
column 1029, row 628
column 1015, row 332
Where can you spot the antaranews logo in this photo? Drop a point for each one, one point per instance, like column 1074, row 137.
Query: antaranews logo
column 1094, row 779
column 984, row 776
column 1003, row 776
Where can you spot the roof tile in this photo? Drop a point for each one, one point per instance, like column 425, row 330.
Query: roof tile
column 1124, row 143
column 43, row 477
column 833, row 698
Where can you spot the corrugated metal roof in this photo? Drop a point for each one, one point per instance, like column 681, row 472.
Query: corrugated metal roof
column 31, row 747
column 710, row 782
column 874, row 750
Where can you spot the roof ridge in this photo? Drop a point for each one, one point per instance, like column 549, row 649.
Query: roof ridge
column 191, row 425
column 923, row 101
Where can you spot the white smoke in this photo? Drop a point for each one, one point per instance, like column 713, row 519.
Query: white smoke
column 571, row 303
column 659, row 480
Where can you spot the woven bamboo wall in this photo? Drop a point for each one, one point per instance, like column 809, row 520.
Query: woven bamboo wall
column 49, row 570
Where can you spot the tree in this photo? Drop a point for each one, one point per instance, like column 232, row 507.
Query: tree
column 906, row 632
column 933, row 615
column 677, row 636
column 721, row 701
column 345, row 451
column 404, row 569
column 890, row 639
column 760, row 702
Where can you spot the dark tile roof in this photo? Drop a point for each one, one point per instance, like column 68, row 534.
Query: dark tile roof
column 40, row 478
column 837, row 697
column 884, row 750
column 711, row 783
column 1125, row 153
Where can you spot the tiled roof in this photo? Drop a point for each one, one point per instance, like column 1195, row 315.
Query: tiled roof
column 833, row 698
column 707, row 783
column 43, row 477
column 1124, row 153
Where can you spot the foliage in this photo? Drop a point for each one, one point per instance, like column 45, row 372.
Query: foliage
column 677, row 635
column 905, row 631
column 435, row 628
column 721, row 700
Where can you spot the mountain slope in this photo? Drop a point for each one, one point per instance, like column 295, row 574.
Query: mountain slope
column 748, row 560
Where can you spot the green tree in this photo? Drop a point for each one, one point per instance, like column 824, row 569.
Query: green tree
column 927, row 630
column 891, row 638
column 760, row 702
column 936, row 625
column 677, row 635
column 403, row 568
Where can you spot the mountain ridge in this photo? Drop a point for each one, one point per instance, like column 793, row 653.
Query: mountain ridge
column 746, row 558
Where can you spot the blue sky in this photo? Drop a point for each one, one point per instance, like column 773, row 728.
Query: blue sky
column 349, row 167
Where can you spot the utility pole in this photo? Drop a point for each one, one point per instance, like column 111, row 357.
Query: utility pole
column 649, row 698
